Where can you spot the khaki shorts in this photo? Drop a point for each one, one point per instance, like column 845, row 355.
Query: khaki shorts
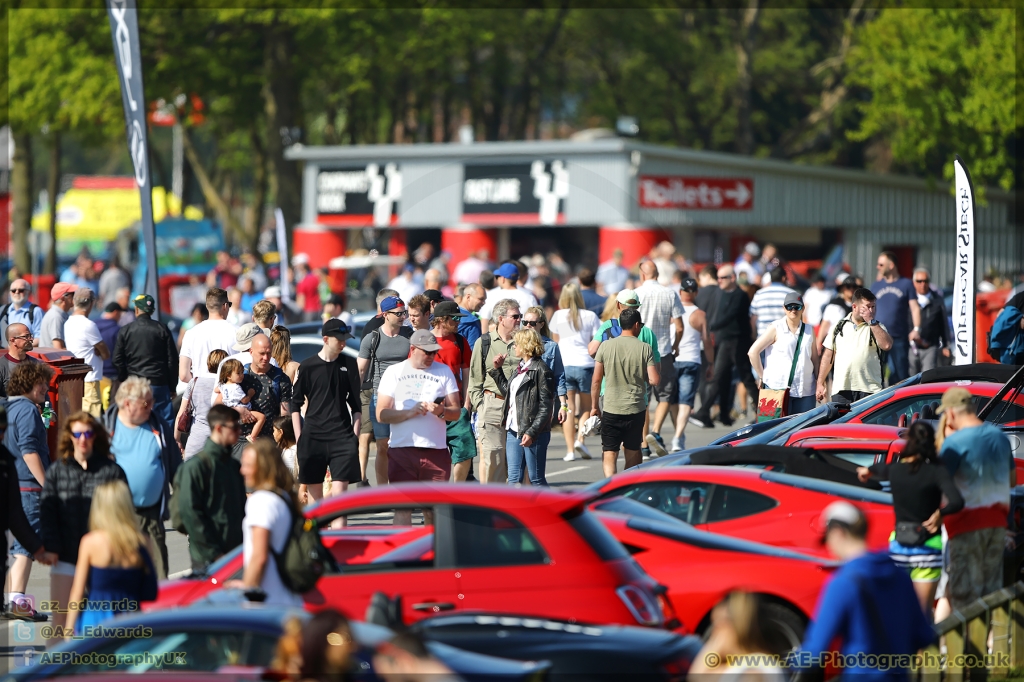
column 975, row 565
column 365, row 426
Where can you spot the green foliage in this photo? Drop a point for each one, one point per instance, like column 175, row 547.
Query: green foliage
column 941, row 82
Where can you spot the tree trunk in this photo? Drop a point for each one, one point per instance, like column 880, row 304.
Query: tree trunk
column 745, row 77
column 53, row 189
column 280, row 99
column 213, row 198
column 259, row 199
column 21, row 195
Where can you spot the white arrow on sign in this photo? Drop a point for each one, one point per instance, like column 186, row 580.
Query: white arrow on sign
column 741, row 194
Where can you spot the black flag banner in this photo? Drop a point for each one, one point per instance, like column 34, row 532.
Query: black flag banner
column 124, row 28
column 963, row 283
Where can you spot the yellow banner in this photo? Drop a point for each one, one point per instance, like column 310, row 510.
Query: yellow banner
column 99, row 214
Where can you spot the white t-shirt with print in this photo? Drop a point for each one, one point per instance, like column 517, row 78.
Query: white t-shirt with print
column 572, row 343
column 408, row 386
column 266, row 509
column 205, row 337
column 81, row 336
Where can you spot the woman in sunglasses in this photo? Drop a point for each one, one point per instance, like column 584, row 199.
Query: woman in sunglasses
column 83, row 462
column 792, row 358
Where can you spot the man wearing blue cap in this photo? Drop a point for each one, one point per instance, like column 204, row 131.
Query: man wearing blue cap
column 378, row 350
column 507, row 277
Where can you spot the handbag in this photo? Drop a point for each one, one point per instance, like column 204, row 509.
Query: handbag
column 187, row 416
column 773, row 403
column 912, row 534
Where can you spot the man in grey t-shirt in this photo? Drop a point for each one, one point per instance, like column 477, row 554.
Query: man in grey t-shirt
column 51, row 331
column 378, row 350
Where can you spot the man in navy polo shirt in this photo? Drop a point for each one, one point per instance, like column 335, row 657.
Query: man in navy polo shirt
column 897, row 306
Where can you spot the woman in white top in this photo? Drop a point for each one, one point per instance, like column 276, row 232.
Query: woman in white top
column 267, row 522
column 573, row 327
column 781, row 339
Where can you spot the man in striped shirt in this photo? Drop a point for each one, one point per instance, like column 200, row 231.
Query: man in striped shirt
column 768, row 303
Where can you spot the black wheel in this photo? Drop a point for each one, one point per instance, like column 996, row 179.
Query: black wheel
column 785, row 631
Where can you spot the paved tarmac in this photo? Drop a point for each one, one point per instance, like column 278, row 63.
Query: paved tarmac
column 16, row 637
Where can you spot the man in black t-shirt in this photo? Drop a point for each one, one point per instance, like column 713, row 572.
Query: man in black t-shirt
column 328, row 383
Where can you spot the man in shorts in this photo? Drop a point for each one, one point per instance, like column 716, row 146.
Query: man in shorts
column 456, row 354
column 628, row 365
column 329, row 382
column 415, row 397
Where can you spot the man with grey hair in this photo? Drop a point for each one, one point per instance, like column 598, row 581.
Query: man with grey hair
column 486, row 397
column 21, row 310
column 934, row 335
column 19, row 343
column 144, row 447
column 83, row 338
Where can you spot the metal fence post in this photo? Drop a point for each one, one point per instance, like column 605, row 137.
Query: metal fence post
column 1000, row 606
column 1017, row 626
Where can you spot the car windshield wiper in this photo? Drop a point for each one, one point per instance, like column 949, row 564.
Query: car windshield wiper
column 1014, row 384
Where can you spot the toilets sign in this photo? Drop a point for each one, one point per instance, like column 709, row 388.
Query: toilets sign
column 715, row 194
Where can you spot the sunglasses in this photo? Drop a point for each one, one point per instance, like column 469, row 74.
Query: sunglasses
column 726, row 278
column 794, row 307
column 18, row 291
column 23, row 337
column 515, row 317
column 401, row 314
column 531, row 323
column 81, row 434
column 429, row 352
column 921, row 281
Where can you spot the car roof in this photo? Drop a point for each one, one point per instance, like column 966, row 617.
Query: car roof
column 472, row 494
column 707, row 472
column 850, row 431
column 978, row 371
column 974, row 386
column 796, row 460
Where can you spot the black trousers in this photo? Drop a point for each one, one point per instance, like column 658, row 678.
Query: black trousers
column 730, row 354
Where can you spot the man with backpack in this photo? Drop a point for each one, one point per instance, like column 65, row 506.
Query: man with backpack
column 1006, row 339
column 856, row 348
column 209, row 492
column 378, row 350
column 456, row 354
column 486, row 396
column 21, row 310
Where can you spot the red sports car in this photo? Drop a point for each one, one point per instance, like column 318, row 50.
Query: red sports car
column 701, row 568
column 764, row 506
column 861, row 444
column 468, row 547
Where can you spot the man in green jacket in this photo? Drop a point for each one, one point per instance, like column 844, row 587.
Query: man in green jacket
column 211, row 492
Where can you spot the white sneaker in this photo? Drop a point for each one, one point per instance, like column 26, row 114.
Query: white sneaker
column 678, row 444
column 581, row 450
column 569, row 457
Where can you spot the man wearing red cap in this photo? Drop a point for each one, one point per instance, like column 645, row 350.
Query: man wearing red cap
column 51, row 332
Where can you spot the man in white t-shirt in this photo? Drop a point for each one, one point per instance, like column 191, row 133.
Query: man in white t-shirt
column 209, row 335
column 82, row 337
column 416, row 396
column 507, row 277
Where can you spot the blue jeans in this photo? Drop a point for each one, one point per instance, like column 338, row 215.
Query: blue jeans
column 30, row 503
column 380, row 431
column 899, row 360
column 800, row 405
column 579, row 379
column 162, row 404
column 689, row 379
column 535, row 456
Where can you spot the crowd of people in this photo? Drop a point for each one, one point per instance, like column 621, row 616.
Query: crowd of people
column 477, row 364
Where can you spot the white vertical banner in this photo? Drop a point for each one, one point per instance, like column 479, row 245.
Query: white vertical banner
column 964, row 283
column 282, row 251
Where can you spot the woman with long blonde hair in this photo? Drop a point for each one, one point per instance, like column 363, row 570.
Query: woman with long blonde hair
column 267, row 523
column 281, row 351
column 114, row 566
column 573, row 327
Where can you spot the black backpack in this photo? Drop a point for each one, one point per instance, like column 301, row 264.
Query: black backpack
column 882, row 355
column 374, row 343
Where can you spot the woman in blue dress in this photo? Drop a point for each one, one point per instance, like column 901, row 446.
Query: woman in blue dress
column 114, row 571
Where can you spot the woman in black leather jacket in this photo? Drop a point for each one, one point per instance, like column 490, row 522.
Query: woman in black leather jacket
column 529, row 399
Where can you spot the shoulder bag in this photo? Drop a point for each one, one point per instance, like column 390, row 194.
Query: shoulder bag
column 773, row 403
column 188, row 415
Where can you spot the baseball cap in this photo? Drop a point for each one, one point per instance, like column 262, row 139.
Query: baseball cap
column 336, row 328
column 245, row 334
column 424, row 340
column 392, row 303
column 300, row 259
column 753, row 249
column 61, row 289
column 113, row 307
column 508, row 271
column 433, row 295
column 628, row 297
column 145, row 303
column 955, row 397
column 842, row 514
column 689, row 284
column 272, row 292
column 447, row 309
column 792, row 297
